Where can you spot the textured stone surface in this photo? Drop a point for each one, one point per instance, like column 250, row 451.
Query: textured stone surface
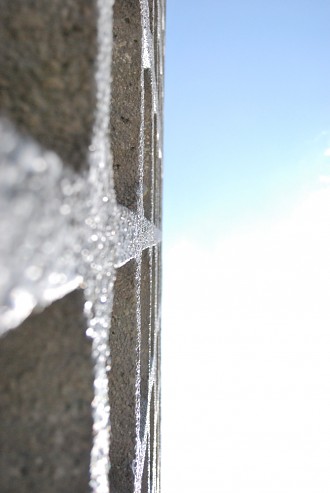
column 47, row 59
column 126, row 100
column 46, row 388
column 48, row 54
column 122, row 380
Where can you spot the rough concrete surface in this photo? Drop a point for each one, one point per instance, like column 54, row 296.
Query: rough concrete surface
column 46, row 389
column 126, row 100
column 122, row 380
column 47, row 59
column 48, row 51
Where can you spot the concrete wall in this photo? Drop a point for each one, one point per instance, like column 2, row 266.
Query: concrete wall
column 49, row 51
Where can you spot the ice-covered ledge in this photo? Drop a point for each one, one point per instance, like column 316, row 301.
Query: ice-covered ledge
column 78, row 215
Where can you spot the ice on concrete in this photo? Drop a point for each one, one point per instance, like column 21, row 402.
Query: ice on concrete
column 39, row 261
column 60, row 230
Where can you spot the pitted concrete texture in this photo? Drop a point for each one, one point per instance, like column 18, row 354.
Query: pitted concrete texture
column 122, row 381
column 126, row 99
column 47, row 60
column 46, row 389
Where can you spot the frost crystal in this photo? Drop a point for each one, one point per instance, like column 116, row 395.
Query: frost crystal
column 39, row 263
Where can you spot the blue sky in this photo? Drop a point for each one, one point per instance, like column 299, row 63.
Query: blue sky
column 246, row 96
column 246, row 339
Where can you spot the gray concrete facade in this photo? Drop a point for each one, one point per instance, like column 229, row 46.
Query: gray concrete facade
column 81, row 94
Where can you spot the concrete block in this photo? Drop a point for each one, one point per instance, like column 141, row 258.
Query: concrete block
column 57, row 378
column 47, row 64
column 46, row 388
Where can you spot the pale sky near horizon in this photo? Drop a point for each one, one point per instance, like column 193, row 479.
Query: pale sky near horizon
column 246, row 319
column 246, row 109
